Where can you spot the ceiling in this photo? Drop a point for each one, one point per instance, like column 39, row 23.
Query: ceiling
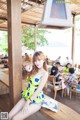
column 31, row 12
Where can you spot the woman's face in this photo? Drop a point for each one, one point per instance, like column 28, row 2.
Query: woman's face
column 68, row 65
column 39, row 63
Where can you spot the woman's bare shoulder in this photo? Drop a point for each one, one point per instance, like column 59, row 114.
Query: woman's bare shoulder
column 44, row 72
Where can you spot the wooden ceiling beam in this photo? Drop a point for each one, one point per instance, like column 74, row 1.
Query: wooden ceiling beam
column 28, row 23
column 38, row 1
column 27, row 3
column 25, row 10
column 3, row 28
column 3, row 18
column 29, row 8
column 3, row 2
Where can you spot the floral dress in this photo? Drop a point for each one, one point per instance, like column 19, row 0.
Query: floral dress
column 31, row 88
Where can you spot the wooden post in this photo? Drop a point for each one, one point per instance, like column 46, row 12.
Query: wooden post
column 14, row 46
column 73, row 39
column 35, row 38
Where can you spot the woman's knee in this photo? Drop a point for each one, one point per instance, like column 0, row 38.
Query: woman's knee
column 25, row 111
column 21, row 115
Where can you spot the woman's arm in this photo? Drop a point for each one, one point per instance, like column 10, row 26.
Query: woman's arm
column 57, row 75
column 41, row 85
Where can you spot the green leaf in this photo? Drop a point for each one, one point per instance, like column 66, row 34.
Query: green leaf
column 28, row 37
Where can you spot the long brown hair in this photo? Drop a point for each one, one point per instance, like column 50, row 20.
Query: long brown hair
column 35, row 57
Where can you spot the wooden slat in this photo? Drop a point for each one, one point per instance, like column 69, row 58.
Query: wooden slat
column 4, row 78
column 33, row 14
column 39, row 116
column 64, row 113
column 29, row 20
column 35, row 11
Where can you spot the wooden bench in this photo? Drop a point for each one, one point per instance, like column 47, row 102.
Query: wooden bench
column 4, row 77
column 64, row 113
column 4, row 80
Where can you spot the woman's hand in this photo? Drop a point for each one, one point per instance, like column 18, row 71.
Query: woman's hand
column 28, row 66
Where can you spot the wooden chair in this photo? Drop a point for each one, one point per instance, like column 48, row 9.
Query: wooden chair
column 74, row 89
column 52, row 85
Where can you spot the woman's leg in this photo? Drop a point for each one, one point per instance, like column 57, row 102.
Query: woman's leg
column 16, row 108
column 24, row 113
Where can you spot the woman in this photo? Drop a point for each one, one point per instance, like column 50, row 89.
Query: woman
column 33, row 96
column 66, row 70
